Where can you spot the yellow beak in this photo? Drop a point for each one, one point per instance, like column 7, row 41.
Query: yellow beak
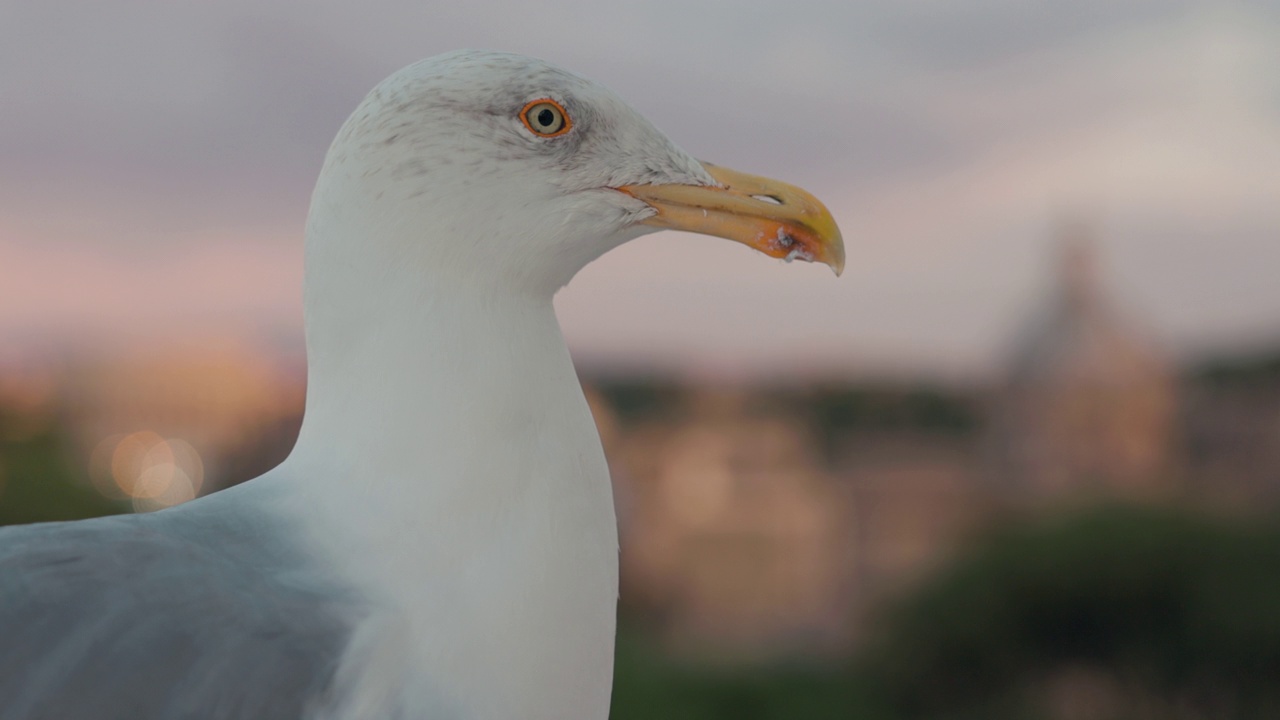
column 773, row 217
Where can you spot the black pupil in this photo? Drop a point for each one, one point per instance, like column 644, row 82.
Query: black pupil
column 546, row 117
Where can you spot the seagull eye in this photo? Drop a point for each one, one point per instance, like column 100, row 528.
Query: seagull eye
column 546, row 118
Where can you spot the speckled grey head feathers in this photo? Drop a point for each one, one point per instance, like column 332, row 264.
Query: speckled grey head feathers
column 441, row 143
column 473, row 98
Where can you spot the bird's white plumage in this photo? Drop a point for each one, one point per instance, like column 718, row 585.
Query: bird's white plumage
column 448, row 479
column 449, row 461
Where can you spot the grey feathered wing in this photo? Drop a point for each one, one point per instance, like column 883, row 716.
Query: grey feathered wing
column 187, row 613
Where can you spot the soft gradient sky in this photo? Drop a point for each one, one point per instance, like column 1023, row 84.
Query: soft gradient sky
column 156, row 159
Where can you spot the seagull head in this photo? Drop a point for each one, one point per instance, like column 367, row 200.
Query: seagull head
column 491, row 168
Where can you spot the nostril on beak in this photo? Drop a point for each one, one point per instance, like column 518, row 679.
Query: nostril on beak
column 772, row 200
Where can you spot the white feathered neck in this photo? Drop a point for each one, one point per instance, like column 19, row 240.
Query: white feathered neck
column 448, row 465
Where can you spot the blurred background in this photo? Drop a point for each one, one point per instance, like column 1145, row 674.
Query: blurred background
column 1022, row 460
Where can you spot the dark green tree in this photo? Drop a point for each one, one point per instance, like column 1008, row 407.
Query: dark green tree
column 38, row 479
column 1165, row 614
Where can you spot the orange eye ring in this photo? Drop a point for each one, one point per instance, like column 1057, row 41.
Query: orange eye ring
column 546, row 118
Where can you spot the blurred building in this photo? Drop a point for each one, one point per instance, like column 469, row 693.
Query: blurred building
column 1089, row 404
column 915, row 495
column 1230, row 422
column 733, row 532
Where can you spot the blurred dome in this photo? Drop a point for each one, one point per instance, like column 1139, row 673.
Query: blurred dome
column 1088, row 407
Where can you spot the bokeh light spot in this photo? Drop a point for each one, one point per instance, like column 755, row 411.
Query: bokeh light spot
column 152, row 471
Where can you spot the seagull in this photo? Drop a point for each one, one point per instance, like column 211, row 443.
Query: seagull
column 441, row 542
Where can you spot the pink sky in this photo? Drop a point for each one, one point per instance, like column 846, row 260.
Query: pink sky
column 158, row 157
